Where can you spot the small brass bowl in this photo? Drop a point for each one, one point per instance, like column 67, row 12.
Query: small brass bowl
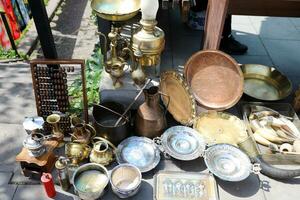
column 77, row 152
column 265, row 83
column 116, row 10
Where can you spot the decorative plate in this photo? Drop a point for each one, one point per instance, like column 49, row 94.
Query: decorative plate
column 227, row 162
column 182, row 105
column 183, row 143
column 138, row 151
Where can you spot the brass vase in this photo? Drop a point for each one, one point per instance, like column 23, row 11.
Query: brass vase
column 56, row 131
column 150, row 119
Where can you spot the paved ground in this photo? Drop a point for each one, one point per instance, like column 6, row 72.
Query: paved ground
column 271, row 41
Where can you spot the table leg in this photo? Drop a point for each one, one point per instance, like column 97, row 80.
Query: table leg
column 215, row 17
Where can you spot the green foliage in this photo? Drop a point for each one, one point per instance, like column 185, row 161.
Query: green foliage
column 94, row 66
column 9, row 54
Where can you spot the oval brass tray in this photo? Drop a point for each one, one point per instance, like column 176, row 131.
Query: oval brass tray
column 182, row 105
column 265, row 83
column 116, row 10
column 215, row 79
column 219, row 127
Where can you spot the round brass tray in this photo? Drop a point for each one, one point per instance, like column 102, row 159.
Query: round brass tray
column 116, row 10
column 182, row 105
column 265, row 83
column 219, row 127
column 215, row 79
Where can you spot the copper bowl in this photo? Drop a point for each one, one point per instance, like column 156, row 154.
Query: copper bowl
column 215, row 78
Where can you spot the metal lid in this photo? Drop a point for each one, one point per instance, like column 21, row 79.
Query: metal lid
column 138, row 151
column 33, row 123
column 182, row 105
column 183, row 143
column 219, row 127
column 33, row 141
column 227, row 162
column 61, row 163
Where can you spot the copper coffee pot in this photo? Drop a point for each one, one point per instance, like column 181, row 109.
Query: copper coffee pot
column 151, row 120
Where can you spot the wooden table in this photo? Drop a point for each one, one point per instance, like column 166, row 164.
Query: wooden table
column 218, row 9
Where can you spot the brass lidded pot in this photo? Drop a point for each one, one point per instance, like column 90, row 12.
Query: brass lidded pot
column 150, row 118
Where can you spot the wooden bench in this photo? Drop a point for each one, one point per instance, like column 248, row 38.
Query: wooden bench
column 218, row 9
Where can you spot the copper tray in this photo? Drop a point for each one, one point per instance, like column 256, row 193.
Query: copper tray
column 182, row 104
column 215, row 79
column 185, row 186
column 219, row 127
column 265, row 83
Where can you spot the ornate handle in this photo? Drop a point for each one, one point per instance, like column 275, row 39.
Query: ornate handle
column 256, row 168
column 105, row 140
column 157, row 142
column 126, row 49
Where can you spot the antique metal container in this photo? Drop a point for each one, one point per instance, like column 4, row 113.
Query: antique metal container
column 104, row 121
column 83, row 133
column 61, row 166
column 90, row 181
column 140, row 152
column 31, row 124
column 182, row 143
column 102, row 152
column 229, row 163
column 35, row 144
column 184, row 185
column 125, row 180
column 208, row 73
column 265, row 83
column 77, row 152
column 150, row 119
column 116, row 10
column 54, row 120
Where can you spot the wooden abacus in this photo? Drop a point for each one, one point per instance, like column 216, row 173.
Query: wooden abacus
column 50, row 84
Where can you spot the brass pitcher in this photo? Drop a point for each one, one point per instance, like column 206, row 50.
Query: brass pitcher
column 83, row 133
column 150, row 119
column 102, row 152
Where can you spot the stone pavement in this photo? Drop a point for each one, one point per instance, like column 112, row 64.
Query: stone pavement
column 271, row 41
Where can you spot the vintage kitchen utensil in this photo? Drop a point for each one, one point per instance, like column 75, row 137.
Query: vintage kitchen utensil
column 265, row 83
column 229, row 163
column 104, row 121
column 138, row 151
column 181, row 103
column 182, row 143
column 103, row 151
column 219, row 127
column 83, row 133
column 56, row 131
column 171, row 185
column 125, row 180
column 119, row 10
column 208, row 73
column 150, row 118
column 34, row 167
column 90, row 181
column 61, row 166
column 31, row 124
column 77, row 152
column 35, row 144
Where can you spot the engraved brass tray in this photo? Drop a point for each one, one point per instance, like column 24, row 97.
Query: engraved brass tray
column 182, row 105
column 219, row 127
column 116, row 10
column 215, row 79
column 184, row 186
column 265, row 83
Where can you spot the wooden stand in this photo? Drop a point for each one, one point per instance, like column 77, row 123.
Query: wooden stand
column 34, row 167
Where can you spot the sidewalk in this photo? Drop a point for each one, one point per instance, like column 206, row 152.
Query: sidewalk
column 271, row 41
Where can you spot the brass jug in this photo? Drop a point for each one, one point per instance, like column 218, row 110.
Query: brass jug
column 150, row 119
column 83, row 133
column 102, row 152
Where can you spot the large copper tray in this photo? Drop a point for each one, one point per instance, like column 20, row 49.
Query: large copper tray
column 116, row 10
column 182, row 104
column 215, row 79
column 219, row 127
column 265, row 83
